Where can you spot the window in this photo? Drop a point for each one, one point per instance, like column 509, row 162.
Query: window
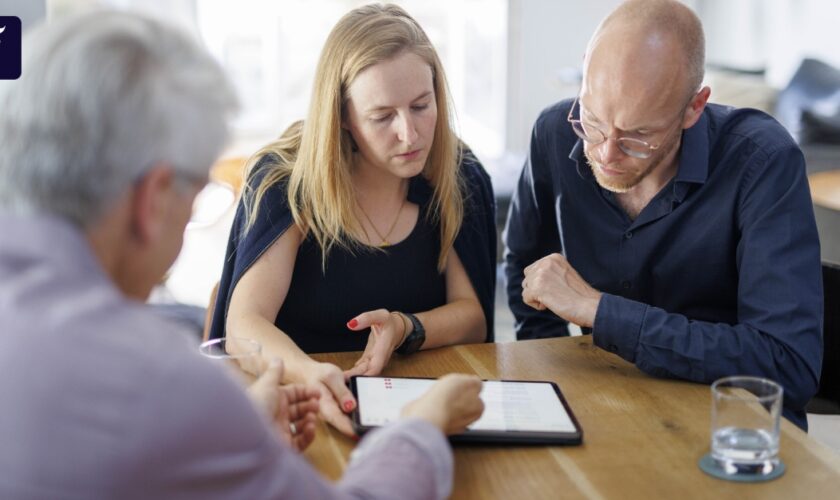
column 270, row 50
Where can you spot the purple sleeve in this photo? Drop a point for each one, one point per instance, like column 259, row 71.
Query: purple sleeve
column 410, row 459
column 202, row 438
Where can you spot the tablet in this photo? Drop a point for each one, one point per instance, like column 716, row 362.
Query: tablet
column 515, row 411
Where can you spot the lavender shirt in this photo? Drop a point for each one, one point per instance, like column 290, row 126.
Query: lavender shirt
column 102, row 399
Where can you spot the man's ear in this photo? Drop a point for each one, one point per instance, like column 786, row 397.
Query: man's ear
column 696, row 107
column 150, row 203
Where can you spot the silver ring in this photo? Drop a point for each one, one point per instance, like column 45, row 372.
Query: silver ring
column 293, row 428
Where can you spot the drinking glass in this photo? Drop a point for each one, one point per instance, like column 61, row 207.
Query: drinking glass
column 242, row 355
column 745, row 425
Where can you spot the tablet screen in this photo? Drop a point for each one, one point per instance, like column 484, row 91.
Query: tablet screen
column 508, row 405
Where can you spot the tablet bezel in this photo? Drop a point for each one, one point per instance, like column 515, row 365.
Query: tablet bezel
column 484, row 436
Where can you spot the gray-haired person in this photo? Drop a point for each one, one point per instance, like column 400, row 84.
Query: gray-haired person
column 104, row 142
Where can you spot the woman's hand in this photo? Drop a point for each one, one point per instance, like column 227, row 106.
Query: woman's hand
column 335, row 399
column 387, row 331
column 451, row 404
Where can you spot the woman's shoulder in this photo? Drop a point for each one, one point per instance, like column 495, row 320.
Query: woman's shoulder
column 474, row 175
column 263, row 166
column 266, row 181
column 264, row 208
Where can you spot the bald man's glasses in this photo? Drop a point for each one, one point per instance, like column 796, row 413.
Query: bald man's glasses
column 591, row 134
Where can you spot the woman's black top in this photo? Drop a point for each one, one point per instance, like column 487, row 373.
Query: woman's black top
column 404, row 278
column 320, row 302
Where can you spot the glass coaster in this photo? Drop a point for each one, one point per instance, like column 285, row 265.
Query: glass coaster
column 710, row 467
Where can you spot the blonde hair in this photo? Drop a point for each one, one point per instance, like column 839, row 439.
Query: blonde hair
column 316, row 155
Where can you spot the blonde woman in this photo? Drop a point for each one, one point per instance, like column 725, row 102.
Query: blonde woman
column 367, row 227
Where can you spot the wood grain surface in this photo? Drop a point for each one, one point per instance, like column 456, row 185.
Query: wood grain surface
column 643, row 436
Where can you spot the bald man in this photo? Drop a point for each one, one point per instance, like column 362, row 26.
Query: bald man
column 680, row 232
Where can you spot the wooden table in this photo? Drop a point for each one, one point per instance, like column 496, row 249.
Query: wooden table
column 642, row 437
column 825, row 188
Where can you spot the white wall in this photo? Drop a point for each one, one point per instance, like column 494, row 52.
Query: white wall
column 771, row 35
column 797, row 29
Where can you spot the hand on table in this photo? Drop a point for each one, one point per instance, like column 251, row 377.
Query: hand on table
column 553, row 283
column 387, row 331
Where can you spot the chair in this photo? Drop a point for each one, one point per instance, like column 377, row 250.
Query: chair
column 830, row 376
column 231, row 172
column 824, row 408
column 825, row 191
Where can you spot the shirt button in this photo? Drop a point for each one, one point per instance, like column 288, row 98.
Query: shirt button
column 628, row 234
column 626, row 285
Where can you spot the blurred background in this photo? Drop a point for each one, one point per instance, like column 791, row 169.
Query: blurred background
column 505, row 59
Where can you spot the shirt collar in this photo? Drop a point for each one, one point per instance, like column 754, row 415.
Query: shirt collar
column 694, row 153
column 577, row 156
column 694, row 158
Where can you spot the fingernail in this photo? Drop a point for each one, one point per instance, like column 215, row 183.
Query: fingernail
column 348, row 405
column 352, row 323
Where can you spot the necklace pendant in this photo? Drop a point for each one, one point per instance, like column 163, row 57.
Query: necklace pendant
column 384, row 244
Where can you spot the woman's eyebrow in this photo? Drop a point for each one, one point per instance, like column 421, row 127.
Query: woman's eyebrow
column 382, row 107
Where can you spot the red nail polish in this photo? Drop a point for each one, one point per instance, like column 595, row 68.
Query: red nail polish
column 348, row 405
column 352, row 323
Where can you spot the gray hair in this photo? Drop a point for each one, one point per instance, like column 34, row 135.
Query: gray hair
column 104, row 97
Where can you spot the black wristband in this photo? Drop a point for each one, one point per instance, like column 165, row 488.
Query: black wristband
column 414, row 340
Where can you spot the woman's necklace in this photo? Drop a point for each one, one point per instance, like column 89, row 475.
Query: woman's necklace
column 385, row 243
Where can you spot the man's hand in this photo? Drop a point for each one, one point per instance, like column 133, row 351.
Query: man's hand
column 265, row 391
column 553, row 283
column 294, row 407
column 297, row 415
column 387, row 330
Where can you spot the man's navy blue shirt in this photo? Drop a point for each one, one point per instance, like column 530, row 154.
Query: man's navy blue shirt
column 719, row 274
